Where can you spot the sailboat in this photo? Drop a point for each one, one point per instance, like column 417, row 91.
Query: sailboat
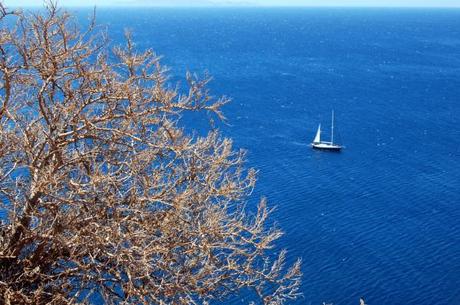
column 325, row 145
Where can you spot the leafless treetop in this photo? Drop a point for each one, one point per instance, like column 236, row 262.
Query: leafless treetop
column 106, row 198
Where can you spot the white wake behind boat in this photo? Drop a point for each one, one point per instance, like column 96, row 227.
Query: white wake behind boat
column 326, row 145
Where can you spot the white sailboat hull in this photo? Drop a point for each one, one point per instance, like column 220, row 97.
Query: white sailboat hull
column 326, row 146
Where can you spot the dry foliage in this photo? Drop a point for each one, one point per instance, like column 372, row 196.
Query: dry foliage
column 106, row 198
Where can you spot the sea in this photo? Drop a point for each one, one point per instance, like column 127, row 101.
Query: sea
column 379, row 220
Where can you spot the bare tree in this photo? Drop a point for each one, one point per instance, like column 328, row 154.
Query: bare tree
column 106, row 198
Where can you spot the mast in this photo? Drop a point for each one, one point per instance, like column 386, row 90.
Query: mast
column 332, row 128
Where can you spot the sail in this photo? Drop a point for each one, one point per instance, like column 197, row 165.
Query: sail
column 318, row 135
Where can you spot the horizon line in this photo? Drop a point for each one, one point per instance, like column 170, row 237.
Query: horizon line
column 244, row 6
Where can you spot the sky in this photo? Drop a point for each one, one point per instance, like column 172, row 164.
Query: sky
column 182, row 3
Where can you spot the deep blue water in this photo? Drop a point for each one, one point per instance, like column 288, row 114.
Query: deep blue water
column 380, row 219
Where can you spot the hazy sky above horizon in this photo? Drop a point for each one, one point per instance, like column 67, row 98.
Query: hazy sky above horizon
column 173, row 3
